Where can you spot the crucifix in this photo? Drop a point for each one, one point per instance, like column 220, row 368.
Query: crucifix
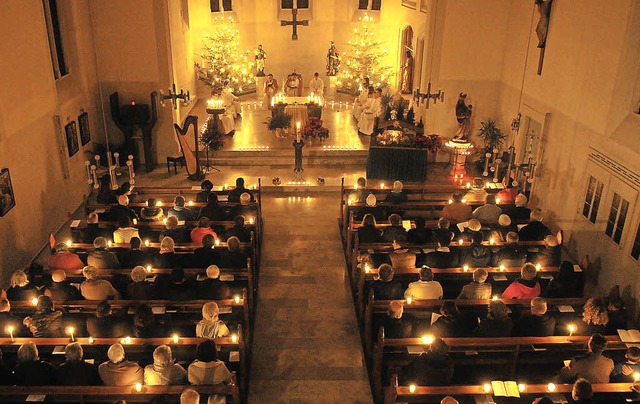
column 542, row 29
column 294, row 22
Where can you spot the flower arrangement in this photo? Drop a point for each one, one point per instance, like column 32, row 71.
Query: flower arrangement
column 210, row 136
column 432, row 142
column 314, row 130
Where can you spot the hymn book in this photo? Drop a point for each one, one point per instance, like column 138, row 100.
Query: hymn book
column 630, row 337
column 505, row 389
column 406, row 224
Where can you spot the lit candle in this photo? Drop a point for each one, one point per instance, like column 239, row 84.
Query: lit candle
column 135, row 221
column 367, row 268
column 636, row 376
column 164, row 220
column 34, row 301
column 175, row 338
column 492, row 241
column 382, row 186
column 495, row 297
column 138, row 387
column 460, row 242
column 159, row 204
column 109, row 243
column 465, row 268
column 237, row 299
column 501, row 268
column 468, row 185
column 148, row 268
column 538, row 267
column 91, row 340
column 217, row 242
column 190, row 203
column 146, row 243
column 234, row 338
column 572, row 329
column 409, row 300
column 551, row 387
column 412, row 388
column 68, row 243
column 10, row 331
column 250, row 220
column 70, row 331
column 127, row 340
column 486, row 387
column 521, row 387
column 427, row 339
column 498, row 200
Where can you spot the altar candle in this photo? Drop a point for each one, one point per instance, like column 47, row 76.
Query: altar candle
column 272, row 101
column 298, row 131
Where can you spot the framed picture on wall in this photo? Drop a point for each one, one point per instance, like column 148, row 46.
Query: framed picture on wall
column 423, row 5
column 85, row 129
column 410, row 3
column 72, row 138
column 7, row 200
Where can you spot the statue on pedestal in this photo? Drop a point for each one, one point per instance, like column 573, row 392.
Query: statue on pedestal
column 261, row 57
column 463, row 115
column 333, row 60
column 407, row 74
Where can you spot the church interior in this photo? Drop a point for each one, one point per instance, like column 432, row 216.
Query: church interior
column 376, row 201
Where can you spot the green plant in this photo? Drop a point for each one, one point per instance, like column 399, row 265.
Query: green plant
column 491, row 134
column 279, row 121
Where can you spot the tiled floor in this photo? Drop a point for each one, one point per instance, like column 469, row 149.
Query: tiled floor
column 306, row 343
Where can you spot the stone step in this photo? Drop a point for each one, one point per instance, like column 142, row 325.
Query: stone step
column 284, row 158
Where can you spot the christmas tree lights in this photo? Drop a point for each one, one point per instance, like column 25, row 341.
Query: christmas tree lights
column 222, row 62
column 367, row 58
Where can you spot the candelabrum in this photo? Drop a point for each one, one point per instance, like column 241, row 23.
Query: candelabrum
column 418, row 96
column 95, row 171
column 174, row 96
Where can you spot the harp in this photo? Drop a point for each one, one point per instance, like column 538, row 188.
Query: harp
column 190, row 157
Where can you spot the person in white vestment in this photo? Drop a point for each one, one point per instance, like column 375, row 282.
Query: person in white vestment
column 361, row 99
column 316, row 86
column 231, row 104
column 371, row 110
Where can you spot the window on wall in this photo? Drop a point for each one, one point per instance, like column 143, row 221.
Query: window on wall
column 635, row 250
column 55, row 38
column 220, row 5
column 592, row 199
column 617, row 218
column 289, row 4
column 369, row 5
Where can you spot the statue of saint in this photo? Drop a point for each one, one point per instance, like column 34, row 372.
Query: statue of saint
column 463, row 115
column 407, row 74
column 261, row 56
column 333, row 60
column 544, row 8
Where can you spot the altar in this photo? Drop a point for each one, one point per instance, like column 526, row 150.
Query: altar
column 394, row 156
column 299, row 108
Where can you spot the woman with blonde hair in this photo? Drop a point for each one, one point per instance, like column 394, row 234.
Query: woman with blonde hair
column 20, row 288
column 211, row 326
column 594, row 317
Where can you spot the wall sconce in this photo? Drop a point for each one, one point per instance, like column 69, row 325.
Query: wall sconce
column 418, row 96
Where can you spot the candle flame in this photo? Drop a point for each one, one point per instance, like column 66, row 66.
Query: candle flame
column 427, row 339
column 234, row 338
column 34, row 301
column 412, row 388
column 175, row 338
column 69, row 243
column 138, row 387
column 521, row 387
column 486, row 387
column 409, row 300
column 551, row 387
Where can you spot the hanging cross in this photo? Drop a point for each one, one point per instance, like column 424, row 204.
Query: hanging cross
column 294, row 22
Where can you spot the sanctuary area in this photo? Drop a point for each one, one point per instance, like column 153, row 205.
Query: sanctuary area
column 320, row 201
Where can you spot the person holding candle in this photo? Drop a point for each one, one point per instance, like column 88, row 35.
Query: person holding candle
column 45, row 322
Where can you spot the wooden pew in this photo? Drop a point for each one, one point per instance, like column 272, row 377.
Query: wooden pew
column 374, row 307
column 110, row 394
column 457, row 273
column 240, row 303
column 139, row 346
column 510, row 346
column 465, row 394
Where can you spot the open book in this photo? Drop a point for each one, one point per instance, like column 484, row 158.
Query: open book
column 406, row 224
column 505, row 389
column 630, row 337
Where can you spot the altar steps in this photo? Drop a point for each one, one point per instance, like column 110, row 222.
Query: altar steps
column 283, row 158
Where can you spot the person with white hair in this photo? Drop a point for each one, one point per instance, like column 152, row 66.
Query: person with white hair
column 163, row 371
column 536, row 324
column 139, row 289
column 30, row 370
column 122, row 209
column 233, row 257
column 20, row 288
column 378, row 212
column 177, row 233
column 394, row 324
column 61, row 290
column 549, row 255
column 179, row 210
column 535, row 230
column 94, row 288
column 521, row 211
column 449, row 400
column 190, row 396
column 477, row 289
column 396, row 195
column 119, row 372
column 499, row 232
column 526, row 286
column 211, row 326
column 244, row 208
column 63, row 259
column 213, row 288
column 75, row 371
column 101, row 257
column 167, row 257
column 511, row 254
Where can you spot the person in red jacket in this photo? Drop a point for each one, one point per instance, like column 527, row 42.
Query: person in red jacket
column 203, row 229
column 526, row 287
column 63, row 259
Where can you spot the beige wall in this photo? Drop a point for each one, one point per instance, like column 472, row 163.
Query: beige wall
column 589, row 88
column 47, row 183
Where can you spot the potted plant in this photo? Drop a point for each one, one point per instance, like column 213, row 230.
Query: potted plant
column 278, row 123
column 314, row 130
column 493, row 139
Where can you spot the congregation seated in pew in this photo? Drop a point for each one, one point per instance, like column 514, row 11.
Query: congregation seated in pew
column 151, row 212
column 179, row 211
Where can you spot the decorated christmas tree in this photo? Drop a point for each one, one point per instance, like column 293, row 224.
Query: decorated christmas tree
column 367, row 58
column 222, row 63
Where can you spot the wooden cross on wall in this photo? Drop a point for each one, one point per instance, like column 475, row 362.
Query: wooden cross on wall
column 294, row 22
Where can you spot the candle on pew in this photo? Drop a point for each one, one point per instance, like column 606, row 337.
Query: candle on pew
column 159, row 204
column 636, row 376
column 90, row 340
column 502, row 268
column 148, row 268
column 237, row 299
column 146, row 243
column 412, row 388
column 34, row 301
column 409, row 299
column 551, row 387
column 486, row 387
column 217, row 242
column 521, row 387
column 176, row 338
column 466, row 267
column 109, row 243
column 70, row 331
column 427, row 339
column 10, row 331
column 572, row 329
column 135, row 221
column 495, row 297
column 138, row 387
column 460, row 241
column 234, row 338
column 538, row 267
column 68, row 243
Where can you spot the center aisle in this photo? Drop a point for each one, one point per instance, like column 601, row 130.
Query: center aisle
column 306, row 342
